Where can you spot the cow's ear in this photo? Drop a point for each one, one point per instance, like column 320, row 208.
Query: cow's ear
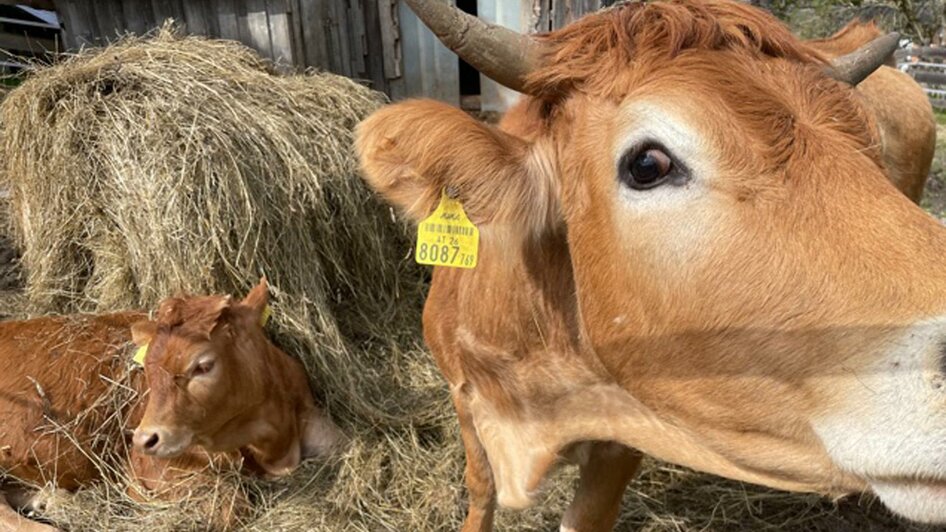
column 412, row 151
column 258, row 297
column 142, row 332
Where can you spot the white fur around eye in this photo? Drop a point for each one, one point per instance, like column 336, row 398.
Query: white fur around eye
column 671, row 225
column 649, row 122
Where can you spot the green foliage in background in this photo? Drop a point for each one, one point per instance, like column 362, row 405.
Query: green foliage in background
column 918, row 20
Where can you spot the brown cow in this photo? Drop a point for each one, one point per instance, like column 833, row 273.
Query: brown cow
column 898, row 105
column 212, row 380
column 688, row 247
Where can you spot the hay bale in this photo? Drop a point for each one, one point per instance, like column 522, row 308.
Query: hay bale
column 171, row 164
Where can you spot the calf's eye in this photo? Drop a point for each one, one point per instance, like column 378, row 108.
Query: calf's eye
column 646, row 168
column 203, row 367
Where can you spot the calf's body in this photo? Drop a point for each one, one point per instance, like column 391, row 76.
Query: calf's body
column 70, row 392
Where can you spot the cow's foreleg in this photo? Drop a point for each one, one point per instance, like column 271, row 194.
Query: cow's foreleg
column 11, row 521
column 606, row 468
column 479, row 477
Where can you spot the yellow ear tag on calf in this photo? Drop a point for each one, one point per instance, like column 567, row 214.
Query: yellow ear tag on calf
column 140, row 354
column 142, row 351
column 447, row 237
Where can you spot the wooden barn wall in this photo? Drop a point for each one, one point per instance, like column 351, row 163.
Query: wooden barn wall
column 378, row 41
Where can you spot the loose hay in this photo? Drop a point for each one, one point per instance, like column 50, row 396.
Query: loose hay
column 181, row 164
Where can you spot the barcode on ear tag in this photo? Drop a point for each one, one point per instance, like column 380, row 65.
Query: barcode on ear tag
column 447, row 237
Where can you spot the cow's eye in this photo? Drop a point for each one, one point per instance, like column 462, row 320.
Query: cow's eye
column 646, row 168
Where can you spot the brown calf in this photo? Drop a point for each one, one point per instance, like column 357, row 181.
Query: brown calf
column 211, row 380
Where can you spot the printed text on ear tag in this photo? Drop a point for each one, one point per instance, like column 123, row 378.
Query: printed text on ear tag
column 447, row 237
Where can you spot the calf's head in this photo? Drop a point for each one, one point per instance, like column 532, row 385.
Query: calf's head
column 740, row 264
column 216, row 381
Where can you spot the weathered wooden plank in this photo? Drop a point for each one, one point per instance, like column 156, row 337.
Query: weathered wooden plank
column 257, row 26
column 357, row 37
column 514, row 14
column 412, row 69
column 390, row 31
column 38, row 4
column 374, row 45
column 139, row 17
column 110, row 19
column 81, row 29
column 30, row 23
column 294, row 12
column 430, row 69
column 558, row 12
column 167, row 9
column 25, row 44
column 541, row 19
column 339, row 45
column 280, row 33
column 313, row 23
column 201, row 18
column 227, row 26
column 243, row 26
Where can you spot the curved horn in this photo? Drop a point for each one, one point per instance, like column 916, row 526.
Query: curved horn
column 499, row 53
column 854, row 67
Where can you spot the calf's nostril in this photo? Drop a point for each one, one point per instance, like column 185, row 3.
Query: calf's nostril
column 152, row 441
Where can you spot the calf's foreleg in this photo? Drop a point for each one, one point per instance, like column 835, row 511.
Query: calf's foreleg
column 11, row 521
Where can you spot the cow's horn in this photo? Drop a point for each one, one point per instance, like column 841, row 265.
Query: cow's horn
column 499, row 53
column 854, row 67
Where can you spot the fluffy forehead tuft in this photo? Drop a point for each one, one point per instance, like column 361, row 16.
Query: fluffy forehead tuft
column 596, row 49
column 191, row 312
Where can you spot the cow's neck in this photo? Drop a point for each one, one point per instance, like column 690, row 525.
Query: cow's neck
column 507, row 337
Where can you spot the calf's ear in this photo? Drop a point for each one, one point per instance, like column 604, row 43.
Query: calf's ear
column 142, row 332
column 258, row 298
column 410, row 152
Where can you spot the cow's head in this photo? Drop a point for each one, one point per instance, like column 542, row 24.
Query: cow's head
column 215, row 380
column 740, row 263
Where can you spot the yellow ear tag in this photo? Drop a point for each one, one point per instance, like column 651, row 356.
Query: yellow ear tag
column 140, row 354
column 264, row 317
column 447, row 237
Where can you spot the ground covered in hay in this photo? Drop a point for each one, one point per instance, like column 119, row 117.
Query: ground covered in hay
column 172, row 164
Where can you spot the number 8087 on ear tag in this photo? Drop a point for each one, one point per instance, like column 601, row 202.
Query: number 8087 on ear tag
column 447, row 237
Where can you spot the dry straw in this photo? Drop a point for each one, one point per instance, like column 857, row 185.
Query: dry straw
column 170, row 164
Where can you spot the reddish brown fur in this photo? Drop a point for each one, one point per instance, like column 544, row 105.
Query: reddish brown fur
column 60, row 370
column 899, row 106
column 272, row 423
column 596, row 52
column 558, row 315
